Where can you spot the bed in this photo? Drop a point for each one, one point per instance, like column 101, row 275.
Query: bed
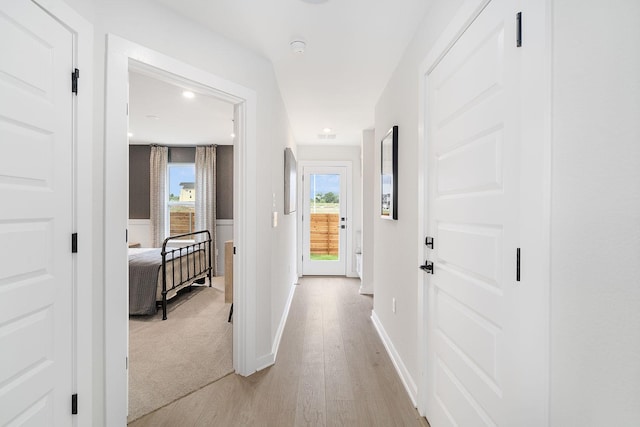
column 157, row 274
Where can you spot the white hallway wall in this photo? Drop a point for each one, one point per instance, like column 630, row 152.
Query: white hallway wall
column 158, row 28
column 369, row 208
column 396, row 256
column 595, row 204
column 595, row 221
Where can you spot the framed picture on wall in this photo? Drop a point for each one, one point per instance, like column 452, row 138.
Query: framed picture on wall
column 290, row 176
column 389, row 175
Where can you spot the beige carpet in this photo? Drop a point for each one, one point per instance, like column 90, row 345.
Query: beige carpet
column 172, row 358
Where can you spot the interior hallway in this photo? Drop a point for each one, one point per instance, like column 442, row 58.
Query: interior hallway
column 331, row 369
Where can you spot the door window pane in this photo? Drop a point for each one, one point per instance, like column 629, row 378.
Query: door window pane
column 325, row 217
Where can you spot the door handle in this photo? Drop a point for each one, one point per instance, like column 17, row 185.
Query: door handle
column 427, row 267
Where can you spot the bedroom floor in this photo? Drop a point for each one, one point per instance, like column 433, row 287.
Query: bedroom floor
column 331, row 369
column 172, row 358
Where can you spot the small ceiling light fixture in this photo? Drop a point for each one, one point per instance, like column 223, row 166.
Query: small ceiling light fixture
column 188, row 94
column 152, row 117
column 129, row 134
column 233, row 135
column 326, row 130
column 298, row 46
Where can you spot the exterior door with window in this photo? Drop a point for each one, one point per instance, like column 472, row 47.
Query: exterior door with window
column 36, row 218
column 324, row 220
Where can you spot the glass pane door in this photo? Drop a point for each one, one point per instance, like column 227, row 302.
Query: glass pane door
column 324, row 216
column 324, row 221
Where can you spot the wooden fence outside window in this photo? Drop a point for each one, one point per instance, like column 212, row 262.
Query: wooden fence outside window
column 181, row 222
column 325, row 239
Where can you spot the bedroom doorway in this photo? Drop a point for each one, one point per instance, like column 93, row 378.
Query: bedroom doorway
column 196, row 336
column 121, row 56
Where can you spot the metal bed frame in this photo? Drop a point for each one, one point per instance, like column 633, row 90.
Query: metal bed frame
column 194, row 266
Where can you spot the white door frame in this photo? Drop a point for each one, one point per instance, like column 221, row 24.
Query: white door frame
column 300, row 208
column 82, row 33
column 306, row 225
column 535, row 201
column 122, row 55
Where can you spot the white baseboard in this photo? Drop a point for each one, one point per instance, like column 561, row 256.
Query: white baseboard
column 365, row 288
column 267, row 360
column 405, row 377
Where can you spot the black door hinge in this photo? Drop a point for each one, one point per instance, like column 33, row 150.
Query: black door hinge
column 74, row 404
column 517, row 264
column 75, row 75
column 234, row 250
column 518, row 29
column 74, row 243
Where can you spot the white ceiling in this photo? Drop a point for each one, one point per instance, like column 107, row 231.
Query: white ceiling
column 353, row 46
column 160, row 114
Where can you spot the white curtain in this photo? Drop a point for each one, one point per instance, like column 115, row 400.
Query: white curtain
column 206, row 195
column 158, row 193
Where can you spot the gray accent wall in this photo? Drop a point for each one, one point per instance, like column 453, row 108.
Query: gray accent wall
column 182, row 154
column 139, row 207
column 139, row 181
column 224, row 182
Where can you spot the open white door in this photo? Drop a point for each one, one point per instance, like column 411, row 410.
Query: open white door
column 36, row 188
column 477, row 317
column 324, row 220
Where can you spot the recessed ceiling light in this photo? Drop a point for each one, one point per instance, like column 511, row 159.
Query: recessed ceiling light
column 326, row 130
column 233, row 135
column 152, row 117
column 298, row 46
column 188, row 94
column 130, row 134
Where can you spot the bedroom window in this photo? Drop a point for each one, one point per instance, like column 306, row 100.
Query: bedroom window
column 182, row 198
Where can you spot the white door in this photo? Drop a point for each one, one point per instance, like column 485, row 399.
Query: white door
column 324, row 220
column 476, row 375
column 36, row 265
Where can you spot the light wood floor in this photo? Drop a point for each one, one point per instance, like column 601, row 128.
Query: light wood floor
column 331, row 369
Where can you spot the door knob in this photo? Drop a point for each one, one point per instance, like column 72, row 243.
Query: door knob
column 427, row 267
